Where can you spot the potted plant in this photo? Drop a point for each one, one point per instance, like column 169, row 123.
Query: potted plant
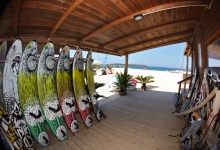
column 144, row 81
column 122, row 82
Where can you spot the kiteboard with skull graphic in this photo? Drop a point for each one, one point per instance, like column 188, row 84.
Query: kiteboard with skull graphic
column 47, row 89
column 28, row 94
column 91, row 86
column 65, row 90
column 81, row 95
column 10, row 92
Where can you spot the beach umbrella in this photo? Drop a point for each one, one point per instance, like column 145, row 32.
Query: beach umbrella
column 97, row 62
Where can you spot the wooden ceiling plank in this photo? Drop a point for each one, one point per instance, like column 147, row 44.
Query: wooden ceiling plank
column 147, row 11
column 156, row 39
column 16, row 17
column 156, row 46
column 63, row 17
column 89, row 14
column 122, row 6
column 43, row 5
column 114, row 8
column 131, row 5
column 96, row 12
column 151, row 30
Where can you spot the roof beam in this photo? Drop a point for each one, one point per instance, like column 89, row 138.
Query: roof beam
column 159, row 45
column 16, row 17
column 96, row 49
column 156, row 39
column 146, row 12
column 63, row 17
column 172, row 25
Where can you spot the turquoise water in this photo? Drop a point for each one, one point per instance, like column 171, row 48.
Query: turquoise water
column 149, row 68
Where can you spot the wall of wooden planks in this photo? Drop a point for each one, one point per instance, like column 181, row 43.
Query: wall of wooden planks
column 206, row 32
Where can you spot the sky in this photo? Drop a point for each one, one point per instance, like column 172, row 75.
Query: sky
column 168, row 56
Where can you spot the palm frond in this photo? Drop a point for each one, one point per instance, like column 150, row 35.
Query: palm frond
column 98, row 85
column 122, row 81
column 144, row 80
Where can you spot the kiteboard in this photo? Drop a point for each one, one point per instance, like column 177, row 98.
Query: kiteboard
column 28, row 94
column 65, row 90
column 82, row 98
column 91, row 86
column 10, row 92
column 47, row 89
column 7, row 132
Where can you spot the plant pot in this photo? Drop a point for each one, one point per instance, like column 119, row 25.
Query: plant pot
column 143, row 88
column 122, row 93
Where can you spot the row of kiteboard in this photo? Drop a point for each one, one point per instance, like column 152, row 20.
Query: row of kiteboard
column 38, row 90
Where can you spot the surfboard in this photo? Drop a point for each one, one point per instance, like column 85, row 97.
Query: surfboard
column 28, row 94
column 3, row 49
column 7, row 131
column 91, row 86
column 82, row 97
column 10, row 92
column 65, row 90
column 47, row 89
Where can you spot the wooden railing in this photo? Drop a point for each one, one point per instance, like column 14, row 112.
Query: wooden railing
column 180, row 84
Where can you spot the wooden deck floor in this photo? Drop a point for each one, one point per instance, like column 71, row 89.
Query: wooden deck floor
column 140, row 120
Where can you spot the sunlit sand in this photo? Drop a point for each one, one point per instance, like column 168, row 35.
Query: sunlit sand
column 164, row 80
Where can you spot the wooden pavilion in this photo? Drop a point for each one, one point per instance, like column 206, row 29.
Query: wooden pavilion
column 111, row 27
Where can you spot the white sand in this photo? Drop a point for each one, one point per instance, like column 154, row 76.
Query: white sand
column 164, row 80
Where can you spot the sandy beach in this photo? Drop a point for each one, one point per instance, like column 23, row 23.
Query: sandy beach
column 164, row 80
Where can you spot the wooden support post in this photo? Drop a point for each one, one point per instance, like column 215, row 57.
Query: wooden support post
column 187, row 63
column 178, row 97
column 126, row 64
column 192, row 62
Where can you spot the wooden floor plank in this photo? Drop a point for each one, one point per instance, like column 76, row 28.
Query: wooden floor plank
column 107, row 139
column 141, row 139
column 88, row 140
column 72, row 145
column 101, row 140
column 121, row 143
column 80, row 143
column 65, row 146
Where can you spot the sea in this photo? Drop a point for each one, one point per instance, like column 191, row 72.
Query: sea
column 151, row 68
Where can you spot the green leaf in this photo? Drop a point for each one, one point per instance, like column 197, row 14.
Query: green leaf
column 144, row 80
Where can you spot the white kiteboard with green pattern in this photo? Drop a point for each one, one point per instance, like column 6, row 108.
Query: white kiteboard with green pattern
column 28, row 94
column 47, row 90
column 91, row 86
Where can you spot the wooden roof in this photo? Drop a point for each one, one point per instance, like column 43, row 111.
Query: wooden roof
column 106, row 26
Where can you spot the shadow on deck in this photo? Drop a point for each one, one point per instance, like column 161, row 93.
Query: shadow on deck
column 139, row 120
